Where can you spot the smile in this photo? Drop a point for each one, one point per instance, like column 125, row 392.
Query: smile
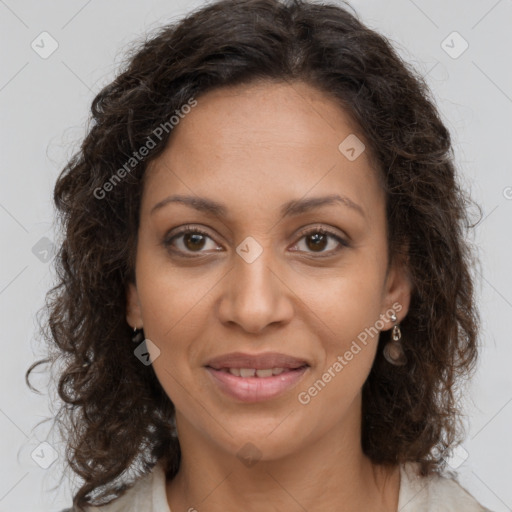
column 255, row 385
column 251, row 372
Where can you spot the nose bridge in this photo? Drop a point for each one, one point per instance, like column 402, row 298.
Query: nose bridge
column 256, row 296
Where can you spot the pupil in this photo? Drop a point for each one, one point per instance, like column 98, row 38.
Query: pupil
column 319, row 241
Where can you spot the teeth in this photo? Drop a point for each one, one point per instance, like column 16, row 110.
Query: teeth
column 251, row 372
column 264, row 373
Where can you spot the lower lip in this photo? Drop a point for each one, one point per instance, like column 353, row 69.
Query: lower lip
column 256, row 389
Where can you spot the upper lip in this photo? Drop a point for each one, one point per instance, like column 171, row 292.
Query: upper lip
column 256, row 361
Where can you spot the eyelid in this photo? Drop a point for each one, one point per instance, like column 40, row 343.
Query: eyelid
column 323, row 229
column 342, row 240
column 180, row 230
column 183, row 230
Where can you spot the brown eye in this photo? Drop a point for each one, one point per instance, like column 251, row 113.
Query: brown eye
column 318, row 239
column 190, row 240
column 193, row 241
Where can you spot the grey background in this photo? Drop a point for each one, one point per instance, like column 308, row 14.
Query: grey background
column 44, row 107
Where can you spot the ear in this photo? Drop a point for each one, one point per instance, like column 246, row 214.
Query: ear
column 397, row 290
column 133, row 309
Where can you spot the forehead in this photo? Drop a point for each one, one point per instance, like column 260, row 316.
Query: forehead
column 267, row 140
column 265, row 115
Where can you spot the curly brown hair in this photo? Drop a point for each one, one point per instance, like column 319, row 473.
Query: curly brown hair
column 116, row 416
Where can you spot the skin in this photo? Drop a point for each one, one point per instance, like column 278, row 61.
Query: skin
column 253, row 148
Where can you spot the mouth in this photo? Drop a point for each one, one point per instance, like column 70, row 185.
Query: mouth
column 256, row 377
column 250, row 385
column 261, row 373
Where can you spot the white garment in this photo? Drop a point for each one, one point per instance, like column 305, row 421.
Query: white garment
column 432, row 494
column 417, row 494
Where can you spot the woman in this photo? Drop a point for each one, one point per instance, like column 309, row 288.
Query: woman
column 266, row 203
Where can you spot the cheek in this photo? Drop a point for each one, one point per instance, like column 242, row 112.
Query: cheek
column 170, row 305
column 173, row 308
column 343, row 311
column 349, row 308
column 170, row 296
column 345, row 302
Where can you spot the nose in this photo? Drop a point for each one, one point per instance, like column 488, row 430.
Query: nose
column 255, row 295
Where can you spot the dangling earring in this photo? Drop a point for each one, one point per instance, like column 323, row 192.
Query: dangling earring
column 138, row 335
column 393, row 351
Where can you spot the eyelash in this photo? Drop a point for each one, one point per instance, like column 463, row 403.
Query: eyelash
column 305, row 232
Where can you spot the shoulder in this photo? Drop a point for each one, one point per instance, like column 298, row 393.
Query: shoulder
column 439, row 493
column 148, row 494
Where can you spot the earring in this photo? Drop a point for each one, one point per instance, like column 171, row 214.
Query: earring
column 393, row 351
column 138, row 335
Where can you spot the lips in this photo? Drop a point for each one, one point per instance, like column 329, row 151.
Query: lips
column 265, row 361
column 256, row 377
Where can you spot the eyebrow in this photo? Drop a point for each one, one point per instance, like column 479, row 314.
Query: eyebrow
column 289, row 209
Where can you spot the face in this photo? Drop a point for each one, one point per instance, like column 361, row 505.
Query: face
column 272, row 269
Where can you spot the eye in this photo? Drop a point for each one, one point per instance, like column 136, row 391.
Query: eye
column 189, row 240
column 317, row 239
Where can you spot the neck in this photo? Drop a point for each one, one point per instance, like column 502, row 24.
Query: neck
column 330, row 473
